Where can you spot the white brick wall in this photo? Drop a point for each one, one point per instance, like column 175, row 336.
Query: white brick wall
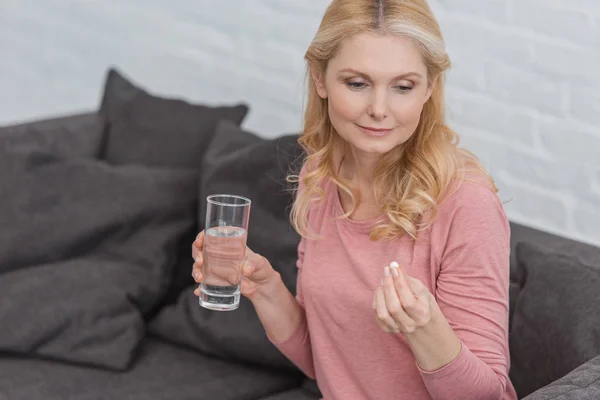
column 524, row 91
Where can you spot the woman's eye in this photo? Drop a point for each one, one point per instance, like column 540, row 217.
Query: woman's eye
column 355, row 85
column 362, row 85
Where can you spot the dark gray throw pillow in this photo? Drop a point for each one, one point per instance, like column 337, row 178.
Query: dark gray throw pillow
column 242, row 164
column 556, row 322
column 73, row 136
column 583, row 383
column 230, row 138
column 86, row 250
column 151, row 130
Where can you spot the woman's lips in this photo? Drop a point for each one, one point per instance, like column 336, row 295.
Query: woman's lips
column 376, row 132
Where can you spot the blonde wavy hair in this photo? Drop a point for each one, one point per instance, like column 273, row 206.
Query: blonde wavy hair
column 413, row 178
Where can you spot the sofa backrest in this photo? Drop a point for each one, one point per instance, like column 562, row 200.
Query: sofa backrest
column 587, row 253
column 519, row 233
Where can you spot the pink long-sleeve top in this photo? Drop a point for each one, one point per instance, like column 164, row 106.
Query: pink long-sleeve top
column 463, row 258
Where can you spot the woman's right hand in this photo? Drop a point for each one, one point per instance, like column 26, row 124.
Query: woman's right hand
column 256, row 270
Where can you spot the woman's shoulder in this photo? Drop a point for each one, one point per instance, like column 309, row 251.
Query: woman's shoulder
column 473, row 186
column 471, row 217
column 470, row 200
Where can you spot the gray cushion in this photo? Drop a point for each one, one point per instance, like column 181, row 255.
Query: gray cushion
column 85, row 252
column 151, row 130
column 238, row 162
column 520, row 233
column 556, row 323
column 581, row 384
column 228, row 138
column 162, row 372
column 75, row 136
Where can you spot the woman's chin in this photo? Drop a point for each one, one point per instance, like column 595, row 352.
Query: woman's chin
column 373, row 148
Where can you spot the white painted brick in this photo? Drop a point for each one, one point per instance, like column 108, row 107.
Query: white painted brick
column 495, row 10
column 543, row 207
column 576, row 26
column 493, row 155
column 586, row 220
column 262, row 55
column 573, row 179
column 594, row 172
column 476, row 39
column 567, row 177
column 591, row 7
column 272, row 89
column 520, row 87
column 577, row 65
column 568, row 143
column 495, row 119
column 467, row 71
column 314, row 8
column 585, row 106
column 280, row 23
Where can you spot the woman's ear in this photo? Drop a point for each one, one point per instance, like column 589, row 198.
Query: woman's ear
column 318, row 81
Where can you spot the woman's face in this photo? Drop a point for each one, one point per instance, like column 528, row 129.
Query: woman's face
column 376, row 87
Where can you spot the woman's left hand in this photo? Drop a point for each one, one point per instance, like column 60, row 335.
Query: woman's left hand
column 402, row 304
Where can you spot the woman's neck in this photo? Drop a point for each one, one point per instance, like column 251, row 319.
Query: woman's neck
column 359, row 172
column 359, row 168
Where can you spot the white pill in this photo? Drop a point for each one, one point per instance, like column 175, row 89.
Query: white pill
column 394, row 264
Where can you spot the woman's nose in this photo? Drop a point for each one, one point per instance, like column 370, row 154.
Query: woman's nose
column 378, row 105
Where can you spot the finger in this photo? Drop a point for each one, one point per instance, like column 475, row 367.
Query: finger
column 422, row 311
column 416, row 286
column 197, row 266
column 258, row 267
column 197, row 291
column 382, row 312
column 394, row 305
column 199, row 242
column 197, row 274
column 197, row 255
column 248, row 269
column 385, row 328
column 197, row 246
column 407, row 297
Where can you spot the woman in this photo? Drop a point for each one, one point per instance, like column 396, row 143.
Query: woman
column 404, row 260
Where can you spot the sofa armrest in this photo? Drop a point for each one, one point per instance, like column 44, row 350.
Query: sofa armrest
column 580, row 384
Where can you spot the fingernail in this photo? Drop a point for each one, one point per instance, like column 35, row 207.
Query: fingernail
column 198, row 258
column 395, row 271
column 196, row 274
column 386, row 271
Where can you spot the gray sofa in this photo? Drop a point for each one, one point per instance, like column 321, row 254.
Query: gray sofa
column 99, row 210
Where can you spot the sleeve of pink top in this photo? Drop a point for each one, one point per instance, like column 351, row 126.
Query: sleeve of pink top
column 472, row 292
column 297, row 348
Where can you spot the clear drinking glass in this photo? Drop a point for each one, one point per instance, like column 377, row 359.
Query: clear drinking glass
column 225, row 236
